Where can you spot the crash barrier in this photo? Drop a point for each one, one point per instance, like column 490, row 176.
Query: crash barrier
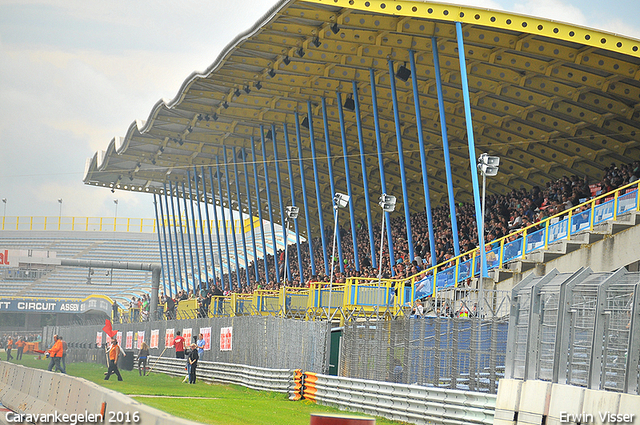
column 256, row 378
column 579, row 328
column 400, row 402
column 537, row 402
column 35, row 392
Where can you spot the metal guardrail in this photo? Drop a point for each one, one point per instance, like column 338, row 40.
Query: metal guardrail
column 400, row 402
column 256, row 378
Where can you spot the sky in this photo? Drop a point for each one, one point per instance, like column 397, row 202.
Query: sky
column 74, row 74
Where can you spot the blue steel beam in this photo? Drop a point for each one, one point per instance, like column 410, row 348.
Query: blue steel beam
column 186, row 226
column 250, row 211
column 276, row 162
column 206, row 210
column 202, row 241
column 158, row 224
column 293, row 198
column 317, row 183
column 327, row 142
column 403, row 175
column 445, row 147
column 383, row 183
column 231, row 218
column 423, row 158
column 472, row 147
column 175, row 230
column 169, row 221
column 259, row 205
column 268, row 186
column 215, row 220
column 196, row 282
column 224, row 223
column 303, row 182
column 365, row 177
column 244, row 239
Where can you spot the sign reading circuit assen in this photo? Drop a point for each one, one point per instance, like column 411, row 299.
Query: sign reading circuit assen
column 53, row 306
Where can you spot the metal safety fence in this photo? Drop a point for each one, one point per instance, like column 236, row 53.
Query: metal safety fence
column 577, row 328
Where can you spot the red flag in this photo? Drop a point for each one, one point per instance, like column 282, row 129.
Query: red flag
column 107, row 328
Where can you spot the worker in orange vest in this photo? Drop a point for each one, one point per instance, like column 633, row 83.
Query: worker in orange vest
column 55, row 353
column 114, row 352
column 20, row 344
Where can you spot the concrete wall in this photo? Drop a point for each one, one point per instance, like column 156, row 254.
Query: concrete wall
column 32, row 391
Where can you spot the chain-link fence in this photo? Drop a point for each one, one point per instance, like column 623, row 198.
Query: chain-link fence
column 271, row 342
column 579, row 329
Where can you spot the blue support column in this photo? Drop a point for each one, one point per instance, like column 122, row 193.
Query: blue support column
column 175, row 230
column 445, row 147
column 293, row 199
column 231, row 218
column 423, row 157
column 186, row 226
column 244, row 239
column 182, row 229
column 327, row 142
column 161, row 223
column 365, row 177
column 169, row 221
column 383, row 182
column 250, row 211
column 206, row 210
column 259, row 204
column 224, row 224
column 347, row 173
column 202, row 241
column 472, row 147
column 196, row 282
column 317, row 182
column 403, row 175
column 303, row 182
column 268, row 186
column 279, row 183
column 215, row 220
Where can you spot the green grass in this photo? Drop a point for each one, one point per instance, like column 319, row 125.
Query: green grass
column 223, row 405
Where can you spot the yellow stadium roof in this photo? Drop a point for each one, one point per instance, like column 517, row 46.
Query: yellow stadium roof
column 550, row 98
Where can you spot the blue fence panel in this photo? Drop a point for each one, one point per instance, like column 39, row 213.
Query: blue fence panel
column 558, row 231
column 512, row 250
column 464, row 270
column 580, row 221
column 446, row 277
column 627, row 202
column 603, row 212
column 424, row 288
column 535, row 240
column 493, row 257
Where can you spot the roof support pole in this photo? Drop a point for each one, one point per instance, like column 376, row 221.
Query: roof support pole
column 215, row 220
column 383, row 182
column 202, row 241
column 206, row 211
column 259, row 204
column 168, row 232
column 303, row 182
column 161, row 223
column 224, row 224
column 194, row 224
column 365, row 177
column 186, row 228
column 403, row 174
column 327, row 142
column 231, row 218
column 317, row 182
column 250, row 211
column 293, row 198
column 276, row 162
column 423, row 157
column 184, row 254
column 239, row 197
column 445, row 147
column 472, row 147
column 347, row 174
column 268, row 186
column 175, row 231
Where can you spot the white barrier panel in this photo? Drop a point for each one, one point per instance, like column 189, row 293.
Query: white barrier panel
column 33, row 391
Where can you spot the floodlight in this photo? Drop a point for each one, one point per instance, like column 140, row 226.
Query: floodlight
column 387, row 202
column 403, row 73
column 340, row 200
column 286, row 60
column 488, row 165
column 349, row 103
column 335, row 28
column 316, row 42
column 292, row 212
column 305, row 122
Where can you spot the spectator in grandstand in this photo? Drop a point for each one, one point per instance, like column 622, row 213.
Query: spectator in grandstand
column 143, row 355
column 115, row 312
column 178, row 343
column 114, row 353
column 193, row 362
column 20, row 344
column 55, row 355
column 9, row 348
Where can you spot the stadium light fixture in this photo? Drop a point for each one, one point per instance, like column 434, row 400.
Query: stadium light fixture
column 271, row 72
column 291, row 214
column 60, row 202
column 340, row 200
column 403, row 73
column 335, row 28
column 349, row 103
column 286, row 60
column 237, row 93
column 4, row 212
column 305, row 122
column 258, row 85
column 316, row 42
column 388, row 204
column 300, row 52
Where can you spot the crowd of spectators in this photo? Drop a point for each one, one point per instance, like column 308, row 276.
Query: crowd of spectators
column 504, row 214
column 15, row 336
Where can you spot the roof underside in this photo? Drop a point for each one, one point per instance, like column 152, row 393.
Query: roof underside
column 550, row 99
